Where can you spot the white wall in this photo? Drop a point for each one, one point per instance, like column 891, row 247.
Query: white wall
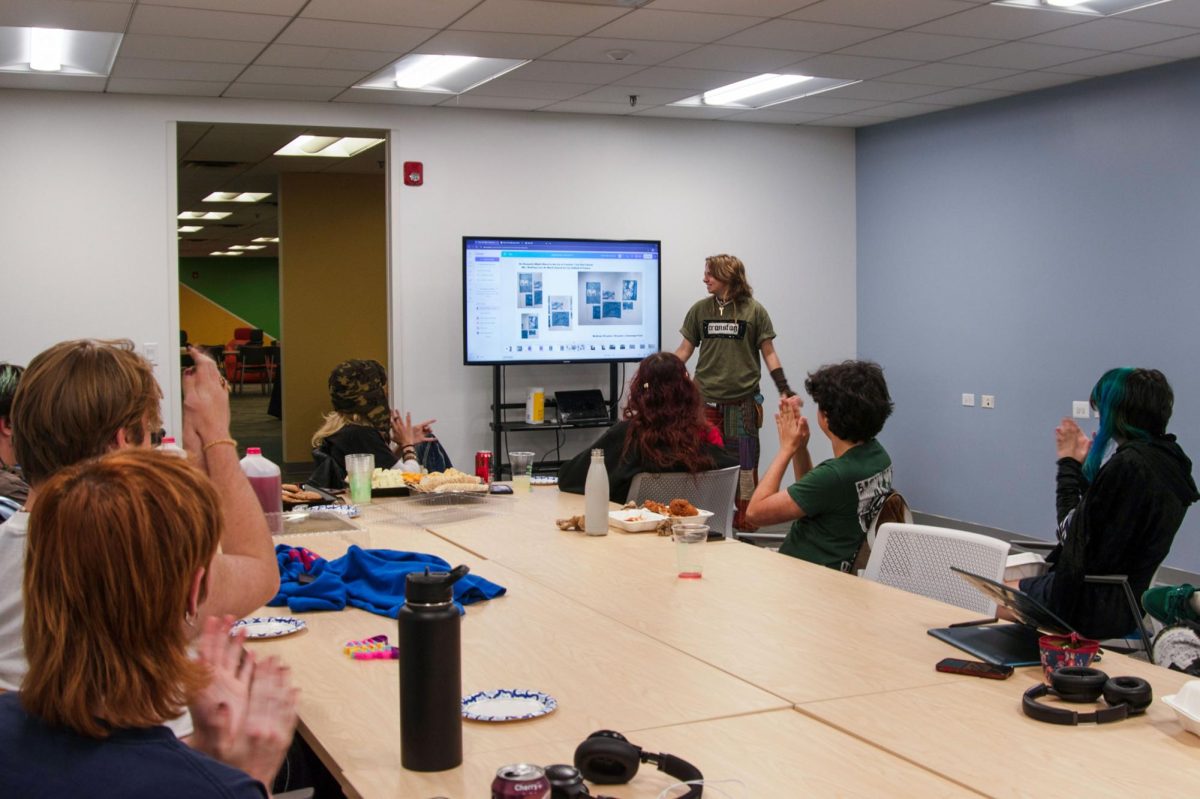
column 87, row 224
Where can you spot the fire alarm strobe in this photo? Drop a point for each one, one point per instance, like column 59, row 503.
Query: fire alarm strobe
column 414, row 173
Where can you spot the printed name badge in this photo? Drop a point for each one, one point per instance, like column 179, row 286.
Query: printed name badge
column 714, row 328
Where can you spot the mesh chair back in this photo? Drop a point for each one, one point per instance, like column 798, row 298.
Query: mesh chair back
column 894, row 509
column 712, row 490
column 917, row 558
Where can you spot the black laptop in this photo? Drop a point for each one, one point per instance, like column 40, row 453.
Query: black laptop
column 580, row 406
column 1005, row 644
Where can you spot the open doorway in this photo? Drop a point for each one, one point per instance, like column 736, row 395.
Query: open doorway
column 282, row 268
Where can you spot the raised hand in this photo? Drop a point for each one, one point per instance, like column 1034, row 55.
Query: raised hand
column 205, row 401
column 405, row 433
column 792, row 427
column 1070, row 441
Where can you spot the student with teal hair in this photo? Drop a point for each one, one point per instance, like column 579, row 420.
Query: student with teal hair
column 1115, row 516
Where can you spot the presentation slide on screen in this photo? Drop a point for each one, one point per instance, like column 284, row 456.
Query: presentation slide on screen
column 542, row 300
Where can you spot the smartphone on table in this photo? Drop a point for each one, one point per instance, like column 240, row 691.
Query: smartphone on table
column 974, row 668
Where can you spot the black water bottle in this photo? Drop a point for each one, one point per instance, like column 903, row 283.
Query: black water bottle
column 430, row 672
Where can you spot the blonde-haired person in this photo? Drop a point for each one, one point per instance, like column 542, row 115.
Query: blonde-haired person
column 117, row 566
column 731, row 330
column 80, row 399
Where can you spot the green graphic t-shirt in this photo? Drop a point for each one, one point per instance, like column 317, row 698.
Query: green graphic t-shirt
column 729, row 339
column 839, row 498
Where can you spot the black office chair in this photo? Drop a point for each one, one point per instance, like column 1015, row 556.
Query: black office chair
column 256, row 338
column 255, row 362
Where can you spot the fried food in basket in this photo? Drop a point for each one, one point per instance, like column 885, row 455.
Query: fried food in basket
column 681, row 507
column 435, row 481
column 293, row 495
column 656, row 507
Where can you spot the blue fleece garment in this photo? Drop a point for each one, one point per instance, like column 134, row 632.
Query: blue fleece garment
column 370, row 579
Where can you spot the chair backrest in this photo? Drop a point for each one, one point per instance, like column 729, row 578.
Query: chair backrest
column 253, row 356
column 256, row 337
column 917, row 558
column 712, row 490
column 242, row 333
column 893, row 509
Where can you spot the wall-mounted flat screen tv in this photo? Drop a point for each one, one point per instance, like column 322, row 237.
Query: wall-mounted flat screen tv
column 553, row 300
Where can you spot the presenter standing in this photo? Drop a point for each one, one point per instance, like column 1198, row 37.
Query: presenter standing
column 731, row 328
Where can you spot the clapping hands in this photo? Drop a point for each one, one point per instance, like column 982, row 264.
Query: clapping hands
column 246, row 715
column 1070, row 441
column 792, row 426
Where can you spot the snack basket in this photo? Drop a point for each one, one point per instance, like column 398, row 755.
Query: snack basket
column 424, row 510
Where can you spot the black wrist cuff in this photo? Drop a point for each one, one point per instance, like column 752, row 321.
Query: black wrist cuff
column 781, row 383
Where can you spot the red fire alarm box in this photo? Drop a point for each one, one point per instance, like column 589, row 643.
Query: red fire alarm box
column 414, row 173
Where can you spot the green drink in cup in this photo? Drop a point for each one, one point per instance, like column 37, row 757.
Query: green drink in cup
column 359, row 468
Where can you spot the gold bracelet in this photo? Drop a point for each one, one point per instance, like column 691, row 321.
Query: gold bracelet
column 212, row 444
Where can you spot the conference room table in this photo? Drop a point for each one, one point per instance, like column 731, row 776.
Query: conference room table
column 788, row 678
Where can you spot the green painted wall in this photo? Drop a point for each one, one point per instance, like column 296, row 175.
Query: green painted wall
column 247, row 287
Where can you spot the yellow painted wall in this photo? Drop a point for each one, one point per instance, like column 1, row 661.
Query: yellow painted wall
column 204, row 320
column 333, row 281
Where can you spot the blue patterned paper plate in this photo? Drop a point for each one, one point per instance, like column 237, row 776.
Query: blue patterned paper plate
column 507, row 704
column 268, row 626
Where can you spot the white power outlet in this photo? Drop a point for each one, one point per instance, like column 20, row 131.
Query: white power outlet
column 987, row 401
column 150, row 348
column 969, row 400
column 1081, row 409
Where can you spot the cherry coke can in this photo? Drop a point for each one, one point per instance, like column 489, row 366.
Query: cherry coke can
column 483, row 466
column 521, row 781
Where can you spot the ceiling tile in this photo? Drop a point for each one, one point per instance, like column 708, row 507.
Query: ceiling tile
column 646, row 96
column 576, row 72
column 285, row 8
column 675, row 26
column 999, row 22
column 592, row 48
column 492, row 45
column 948, row 74
column 181, row 48
column 696, row 79
column 1178, row 13
column 836, row 65
column 580, row 107
column 294, row 55
column 68, row 83
column 380, row 97
column 823, row 103
column 407, row 13
column 772, row 117
column 190, row 88
column 684, row 112
column 851, row 121
column 873, row 14
column 1027, row 82
column 354, row 35
column 531, row 16
column 174, row 70
column 898, row 110
column 918, row 46
column 1187, row 47
column 740, row 59
column 267, row 91
column 964, row 96
column 501, row 103
column 301, row 76
column 1111, row 34
column 68, row 14
column 199, row 24
column 1024, row 56
column 1109, row 63
column 753, row 8
column 546, row 91
column 882, row 92
column 813, row 37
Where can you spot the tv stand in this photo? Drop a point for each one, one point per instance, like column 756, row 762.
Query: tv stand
column 500, row 424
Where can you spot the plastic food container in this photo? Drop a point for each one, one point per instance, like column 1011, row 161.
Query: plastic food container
column 1186, row 705
column 635, row 520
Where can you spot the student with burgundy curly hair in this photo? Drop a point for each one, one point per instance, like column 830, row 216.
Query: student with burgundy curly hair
column 663, row 430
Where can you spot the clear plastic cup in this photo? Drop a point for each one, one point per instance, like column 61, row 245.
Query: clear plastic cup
column 522, row 471
column 359, row 468
column 689, row 549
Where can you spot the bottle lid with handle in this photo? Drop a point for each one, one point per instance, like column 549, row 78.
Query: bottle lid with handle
column 253, row 450
column 433, row 588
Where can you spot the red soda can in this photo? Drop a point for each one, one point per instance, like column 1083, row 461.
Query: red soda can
column 521, row 781
column 483, row 465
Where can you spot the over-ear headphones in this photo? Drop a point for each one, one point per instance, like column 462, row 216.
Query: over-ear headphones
column 608, row 758
column 1124, row 696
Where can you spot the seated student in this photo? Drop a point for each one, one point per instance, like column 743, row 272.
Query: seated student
column 1117, row 516
column 13, row 488
column 663, row 431
column 832, row 505
column 116, row 568
column 80, row 399
column 362, row 422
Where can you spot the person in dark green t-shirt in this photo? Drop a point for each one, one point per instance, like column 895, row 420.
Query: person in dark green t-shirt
column 832, row 505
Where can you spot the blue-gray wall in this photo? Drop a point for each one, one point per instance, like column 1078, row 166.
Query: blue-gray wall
column 1020, row 248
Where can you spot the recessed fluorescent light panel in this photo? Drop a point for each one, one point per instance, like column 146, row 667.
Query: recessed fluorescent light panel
column 56, row 51
column 442, row 74
column 190, row 228
column 236, row 197
column 1091, row 8
column 248, row 247
column 266, row 240
column 211, row 216
column 326, row 146
column 763, row 91
column 224, row 253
